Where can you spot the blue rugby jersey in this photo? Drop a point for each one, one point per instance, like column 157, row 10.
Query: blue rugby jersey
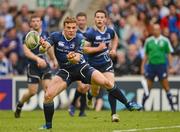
column 95, row 37
column 83, row 34
column 62, row 47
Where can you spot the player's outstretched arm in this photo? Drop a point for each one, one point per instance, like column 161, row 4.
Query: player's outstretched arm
column 44, row 44
column 40, row 62
column 52, row 57
column 29, row 54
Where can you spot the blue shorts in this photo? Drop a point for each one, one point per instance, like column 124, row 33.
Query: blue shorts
column 81, row 72
column 151, row 71
column 107, row 67
column 35, row 74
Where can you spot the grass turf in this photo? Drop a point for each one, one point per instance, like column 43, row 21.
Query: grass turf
column 94, row 122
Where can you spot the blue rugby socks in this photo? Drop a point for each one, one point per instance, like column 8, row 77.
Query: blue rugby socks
column 112, row 102
column 116, row 92
column 169, row 96
column 48, row 113
column 83, row 104
column 76, row 96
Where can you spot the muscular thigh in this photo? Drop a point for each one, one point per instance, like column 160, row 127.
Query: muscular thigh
column 45, row 83
column 96, row 88
column 109, row 76
column 56, row 85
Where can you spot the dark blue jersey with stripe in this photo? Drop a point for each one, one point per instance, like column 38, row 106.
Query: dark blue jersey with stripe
column 83, row 34
column 62, row 47
column 95, row 37
column 36, row 51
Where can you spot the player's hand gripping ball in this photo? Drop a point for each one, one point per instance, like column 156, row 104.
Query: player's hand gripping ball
column 42, row 49
column 32, row 40
column 71, row 55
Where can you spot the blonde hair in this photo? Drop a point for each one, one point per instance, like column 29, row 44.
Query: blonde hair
column 69, row 20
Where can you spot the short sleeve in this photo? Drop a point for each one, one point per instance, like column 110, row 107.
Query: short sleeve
column 89, row 36
column 51, row 38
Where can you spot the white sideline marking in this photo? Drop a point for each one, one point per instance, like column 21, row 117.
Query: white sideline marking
column 147, row 129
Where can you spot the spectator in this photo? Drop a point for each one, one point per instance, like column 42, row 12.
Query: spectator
column 163, row 10
column 24, row 16
column 120, row 67
column 2, row 28
column 24, row 29
column 4, row 11
column 115, row 16
column 51, row 19
column 17, row 66
column 172, row 21
column 5, row 66
column 133, row 60
column 11, row 43
column 175, row 43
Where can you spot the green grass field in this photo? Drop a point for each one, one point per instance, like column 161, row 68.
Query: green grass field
column 94, row 122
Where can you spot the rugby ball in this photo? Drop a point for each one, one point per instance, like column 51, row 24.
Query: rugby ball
column 42, row 49
column 32, row 39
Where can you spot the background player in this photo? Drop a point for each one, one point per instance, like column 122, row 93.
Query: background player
column 38, row 70
column 103, row 43
column 73, row 67
column 157, row 50
column 81, row 90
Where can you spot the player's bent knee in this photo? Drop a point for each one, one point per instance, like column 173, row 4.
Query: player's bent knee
column 48, row 97
column 108, row 84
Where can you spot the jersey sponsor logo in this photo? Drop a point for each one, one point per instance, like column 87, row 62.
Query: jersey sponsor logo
column 61, row 44
column 98, row 37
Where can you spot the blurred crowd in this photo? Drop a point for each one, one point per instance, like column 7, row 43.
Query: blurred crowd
column 14, row 24
column 133, row 20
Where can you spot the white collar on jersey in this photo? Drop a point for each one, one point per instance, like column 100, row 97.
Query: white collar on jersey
column 84, row 30
column 102, row 32
column 66, row 38
column 157, row 39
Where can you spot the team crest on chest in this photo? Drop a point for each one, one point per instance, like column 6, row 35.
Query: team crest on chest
column 72, row 45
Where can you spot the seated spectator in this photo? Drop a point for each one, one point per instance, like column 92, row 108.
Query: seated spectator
column 5, row 66
column 51, row 19
column 175, row 69
column 175, row 43
column 172, row 21
column 120, row 67
column 18, row 67
column 133, row 60
column 11, row 43
column 23, row 16
column 2, row 28
column 4, row 11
